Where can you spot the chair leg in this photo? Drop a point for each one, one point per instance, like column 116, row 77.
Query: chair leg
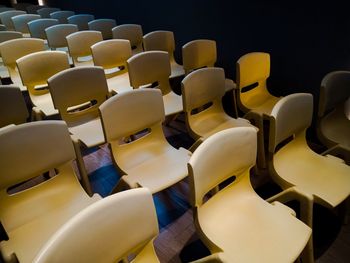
column 306, row 215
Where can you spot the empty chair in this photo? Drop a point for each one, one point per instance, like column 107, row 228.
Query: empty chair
column 79, row 46
column 77, row 93
column 333, row 122
column 35, row 69
column 112, row 56
column 37, row 27
column 21, row 23
column 153, row 67
column 5, row 36
column 81, row 20
column 46, row 11
column 14, row 49
column 32, row 216
column 115, row 223
column 33, row 9
column 236, row 221
column 56, row 35
column 13, row 109
column 206, row 87
column 5, row 18
column 148, row 161
column 164, row 41
column 104, row 26
column 131, row 32
column 62, row 16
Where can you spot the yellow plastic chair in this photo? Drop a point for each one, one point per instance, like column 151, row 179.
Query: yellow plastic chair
column 148, row 161
column 163, row 41
column 35, row 69
column 13, row 109
column 153, row 67
column 79, row 46
column 235, row 221
column 114, row 225
column 20, row 23
column 81, row 20
column 324, row 179
column 5, row 18
column 206, row 87
column 104, row 26
column 112, row 56
column 45, row 12
column 12, row 50
column 131, row 32
column 77, row 93
column 37, row 27
column 31, row 216
column 62, row 16
column 5, row 36
column 333, row 121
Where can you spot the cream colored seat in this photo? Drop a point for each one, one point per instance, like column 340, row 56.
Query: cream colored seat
column 5, row 18
column 148, row 161
column 20, row 23
column 153, row 67
column 81, row 20
column 37, row 27
column 62, row 16
column 13, row 109
column 236, row 221
column 163, row 41
column 30, row 217
column 45, row 12
column 5, row 36
column 79, row 46
column 131, row 32
column 35, row 69
column 117, row 234
column 333, row 124
column 77, row 93
column 12, row 50
column 112, row 56
column 104, row 26
column 206, row 87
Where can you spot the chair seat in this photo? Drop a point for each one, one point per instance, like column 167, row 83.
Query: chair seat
column 147, row 254
column 44, row 103
column 119, row 83
column 239, row 222
column 230, row 85
column 89, row 133
column 16, row 79
column 176, row 70
column 84, row 62
column 327, row 179
column 3, row 71
column 172, row 103
column 261, row 103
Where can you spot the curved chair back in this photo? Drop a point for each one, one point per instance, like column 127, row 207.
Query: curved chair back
column 4, row 9
column 62, row 16
column 5, row 18
column 81, row 20
column 159, row 40
column 9, row 35
column 20, row 22
column 131, row 32
column 104, row 26
column 37, row 27
column 46, row 11
column 56, row 35
column 199, row 54
column 109, row 221
column 13, row 109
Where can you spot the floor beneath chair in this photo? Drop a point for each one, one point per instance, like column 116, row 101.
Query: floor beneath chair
column 177, row 241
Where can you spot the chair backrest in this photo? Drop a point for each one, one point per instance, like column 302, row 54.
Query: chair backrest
column 159, row 40
column 131, row 32
column 79, row 43
column 149, row 68
column 2, row 27
column 14, row 49
column 199, row 54
column 5, row 18
column 56, row 35
column 201, row 87
column 136, row 109
column 209, row 166
column 291, row 115
column 104, row 26
column 23, row 145
column 78, row 86
column 37, row 27
column 335, row 90
column 13, row 109
column 114, row 224
column 81, row 20
column 36, row 68
column 46, row 11
column 62, row 16
column 4, row 9
column 9, row 35
column 111, row 53
column 33, row 9
column 20, row 22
